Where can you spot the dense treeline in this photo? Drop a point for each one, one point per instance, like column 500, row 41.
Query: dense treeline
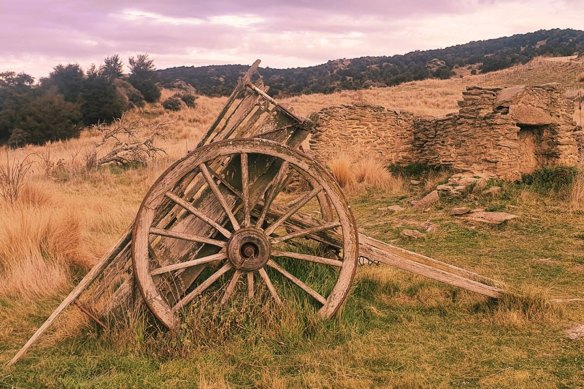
column 359, row 73
column 57, row 107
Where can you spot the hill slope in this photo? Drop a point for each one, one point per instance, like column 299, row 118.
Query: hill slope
column 358, row 73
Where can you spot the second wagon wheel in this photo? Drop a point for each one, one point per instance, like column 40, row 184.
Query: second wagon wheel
column 231, row 217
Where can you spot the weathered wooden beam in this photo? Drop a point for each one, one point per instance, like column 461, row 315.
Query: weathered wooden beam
column 387, row 254
column 402, row 259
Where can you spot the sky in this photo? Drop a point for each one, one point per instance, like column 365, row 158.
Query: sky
column 37, row 35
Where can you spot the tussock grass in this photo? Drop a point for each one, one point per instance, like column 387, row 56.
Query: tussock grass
column 519, row 308
column 362, row 175
column 341, row 169
column 576, row 195
column 39, row 244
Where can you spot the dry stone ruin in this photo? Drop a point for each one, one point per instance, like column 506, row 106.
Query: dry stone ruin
column 504, row 132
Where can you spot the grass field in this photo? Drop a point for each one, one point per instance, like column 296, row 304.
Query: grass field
column 397, row 329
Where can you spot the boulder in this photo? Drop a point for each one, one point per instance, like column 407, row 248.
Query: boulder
column 392, row 208
column 459, row 211
column 491, row 217
column 576, row 332
column 530, row 115
column 492, row 191
column 426, row 201
column 415, row 234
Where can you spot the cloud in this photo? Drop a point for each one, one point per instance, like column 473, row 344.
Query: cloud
column 37, row 35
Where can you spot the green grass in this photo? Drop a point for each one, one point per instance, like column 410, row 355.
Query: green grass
column 396, row 330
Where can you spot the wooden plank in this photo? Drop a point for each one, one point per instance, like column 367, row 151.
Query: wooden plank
column 389, row 257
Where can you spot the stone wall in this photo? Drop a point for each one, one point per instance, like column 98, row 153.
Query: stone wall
column 360, row 131
column 505, row 132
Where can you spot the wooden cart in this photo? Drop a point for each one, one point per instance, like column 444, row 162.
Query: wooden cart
column 245, row 213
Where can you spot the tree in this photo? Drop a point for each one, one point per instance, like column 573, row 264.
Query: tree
column 100, row 100
column 112, row 67
column 69, row 81
column 16, row 91
column 143, row 77
column 48, row 117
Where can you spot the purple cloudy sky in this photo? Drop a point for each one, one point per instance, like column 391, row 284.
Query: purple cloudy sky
column 35, row 35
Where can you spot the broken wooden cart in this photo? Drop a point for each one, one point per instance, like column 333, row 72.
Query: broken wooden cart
column 243, row 209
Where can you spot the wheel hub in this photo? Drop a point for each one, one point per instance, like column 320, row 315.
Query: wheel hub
column 248, row 249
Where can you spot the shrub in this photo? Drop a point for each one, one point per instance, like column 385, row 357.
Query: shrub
column 100, row 101
column 12, row 178
column 48, row 117
column 18, row 138
column 551, row 180
column 172, row 104
column 189, row 100
column 416, row 170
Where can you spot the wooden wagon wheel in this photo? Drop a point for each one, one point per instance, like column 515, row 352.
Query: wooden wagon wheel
column 249, row 231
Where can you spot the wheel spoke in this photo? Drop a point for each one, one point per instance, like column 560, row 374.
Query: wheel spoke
column 270, row 286
column 191, row 263
column 309, row 258
column 224, row 182
column 202, row 287
column 245, row 189
column 231, row 287
column 189, row 207
column 219, row 195
column 305, row 232
column 298, row 283
column 280, row 177
column 293, row 210
column 250, row 291
column 189, row 237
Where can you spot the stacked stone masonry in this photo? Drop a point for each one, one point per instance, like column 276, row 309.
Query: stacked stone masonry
column 504, row 132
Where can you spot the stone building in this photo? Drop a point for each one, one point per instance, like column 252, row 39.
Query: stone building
column 505, row 132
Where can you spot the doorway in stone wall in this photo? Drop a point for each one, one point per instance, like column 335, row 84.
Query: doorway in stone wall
column 534, row 147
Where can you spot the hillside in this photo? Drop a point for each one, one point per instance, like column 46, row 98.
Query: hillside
column 365, row 72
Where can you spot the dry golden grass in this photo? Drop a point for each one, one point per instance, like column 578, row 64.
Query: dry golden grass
column 341, row 169
column 358, row 176
column 440, row 97
column 39, row 244
column 66, row 217
column 577, row 192
column 427, row 98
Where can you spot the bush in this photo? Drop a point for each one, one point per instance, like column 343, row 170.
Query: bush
column 18, row 138
column 416, row 170
column 100, row 101
column 172, row 104
column 553, row 179
column 189, row 100
column 48, row 117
